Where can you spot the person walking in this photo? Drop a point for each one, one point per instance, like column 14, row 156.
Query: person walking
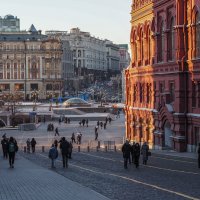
column 70, row 150
column 126, row 150
column 56, row 131
column 4, row 143
column 199, row 156
column 73, row 138
column 96, row 135
column 64, row 146
column 132, row 152
column 53, row 155
column 12, row 148
column 33, row 143
column 137, row 154
column 28, row 145
column 145, row 152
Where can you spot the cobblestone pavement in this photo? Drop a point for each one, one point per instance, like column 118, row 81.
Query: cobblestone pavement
column 28, row 181
column 164, row 177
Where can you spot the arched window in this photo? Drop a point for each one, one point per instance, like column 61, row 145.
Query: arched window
column 161, row 43
column 148, row 42
column 171, row 41
column 141, row 47
column 197, row 33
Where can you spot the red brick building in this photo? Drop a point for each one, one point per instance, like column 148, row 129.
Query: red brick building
column 163, row 79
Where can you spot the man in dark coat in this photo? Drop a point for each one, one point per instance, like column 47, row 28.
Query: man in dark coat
column 126, row 150
column 199, row 155
column 12, row 149
column 33, row 143
column 64, row 146
column 4, row 143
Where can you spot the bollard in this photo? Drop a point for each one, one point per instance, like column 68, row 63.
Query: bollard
column 99, row 144
column 115, row 148
column 24, row 149
column 106, row 148
column 88, row 149
column 43, row 149
column 97, row 148
column 79, row 149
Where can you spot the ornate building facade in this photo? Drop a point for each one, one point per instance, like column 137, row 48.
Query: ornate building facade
column 163, row 79
column 30, row 65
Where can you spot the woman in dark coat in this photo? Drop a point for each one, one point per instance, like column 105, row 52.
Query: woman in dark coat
column 145, row 152
column 137, row 154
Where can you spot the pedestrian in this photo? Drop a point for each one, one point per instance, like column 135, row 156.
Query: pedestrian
column 104, row 125
column 28, row 145
column 199, row 155
column 95, row 129
column 4, row 143
column 101, row 124
column 80, row 123
column 137, row 154
column 126, row 150
column 64, row 146
column 53, row 155
column 56, row 131
column 33, row 143
column 145, row 152
column 83, row 122
column 98, row 124
column 73, row 138
column 70, row 150
column 96, row 135
column 12, row 149
column 109, row 119
column 86, row 122
column 132, row 152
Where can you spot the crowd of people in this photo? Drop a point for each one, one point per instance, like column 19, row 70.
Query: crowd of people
column 131, row 153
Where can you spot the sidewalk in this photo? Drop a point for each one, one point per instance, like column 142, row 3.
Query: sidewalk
column 175, row 154
column 28, row 181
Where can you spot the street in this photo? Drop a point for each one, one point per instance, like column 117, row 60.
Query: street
column 165, row 177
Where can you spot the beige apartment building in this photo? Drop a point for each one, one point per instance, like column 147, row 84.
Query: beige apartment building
column 30, row 65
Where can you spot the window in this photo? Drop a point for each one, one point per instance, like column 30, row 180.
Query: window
column 135, row 93
column 171, row 41
column 161, row 87
column 197, row 31
column 148, row 93
column 141, row 47
column 161, row 43
column 172, row 91
column 141, row 93
column 148, row 40
column 193, row 94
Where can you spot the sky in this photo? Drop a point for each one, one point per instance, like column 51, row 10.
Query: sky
column 106, row 19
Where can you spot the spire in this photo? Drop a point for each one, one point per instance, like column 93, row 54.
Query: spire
column 32, row 29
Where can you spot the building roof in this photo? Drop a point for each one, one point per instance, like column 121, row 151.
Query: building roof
column 32, row 29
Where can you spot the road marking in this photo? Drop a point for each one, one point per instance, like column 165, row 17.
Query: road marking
column 132, row 180
column 183, row 161
column 150, row 166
